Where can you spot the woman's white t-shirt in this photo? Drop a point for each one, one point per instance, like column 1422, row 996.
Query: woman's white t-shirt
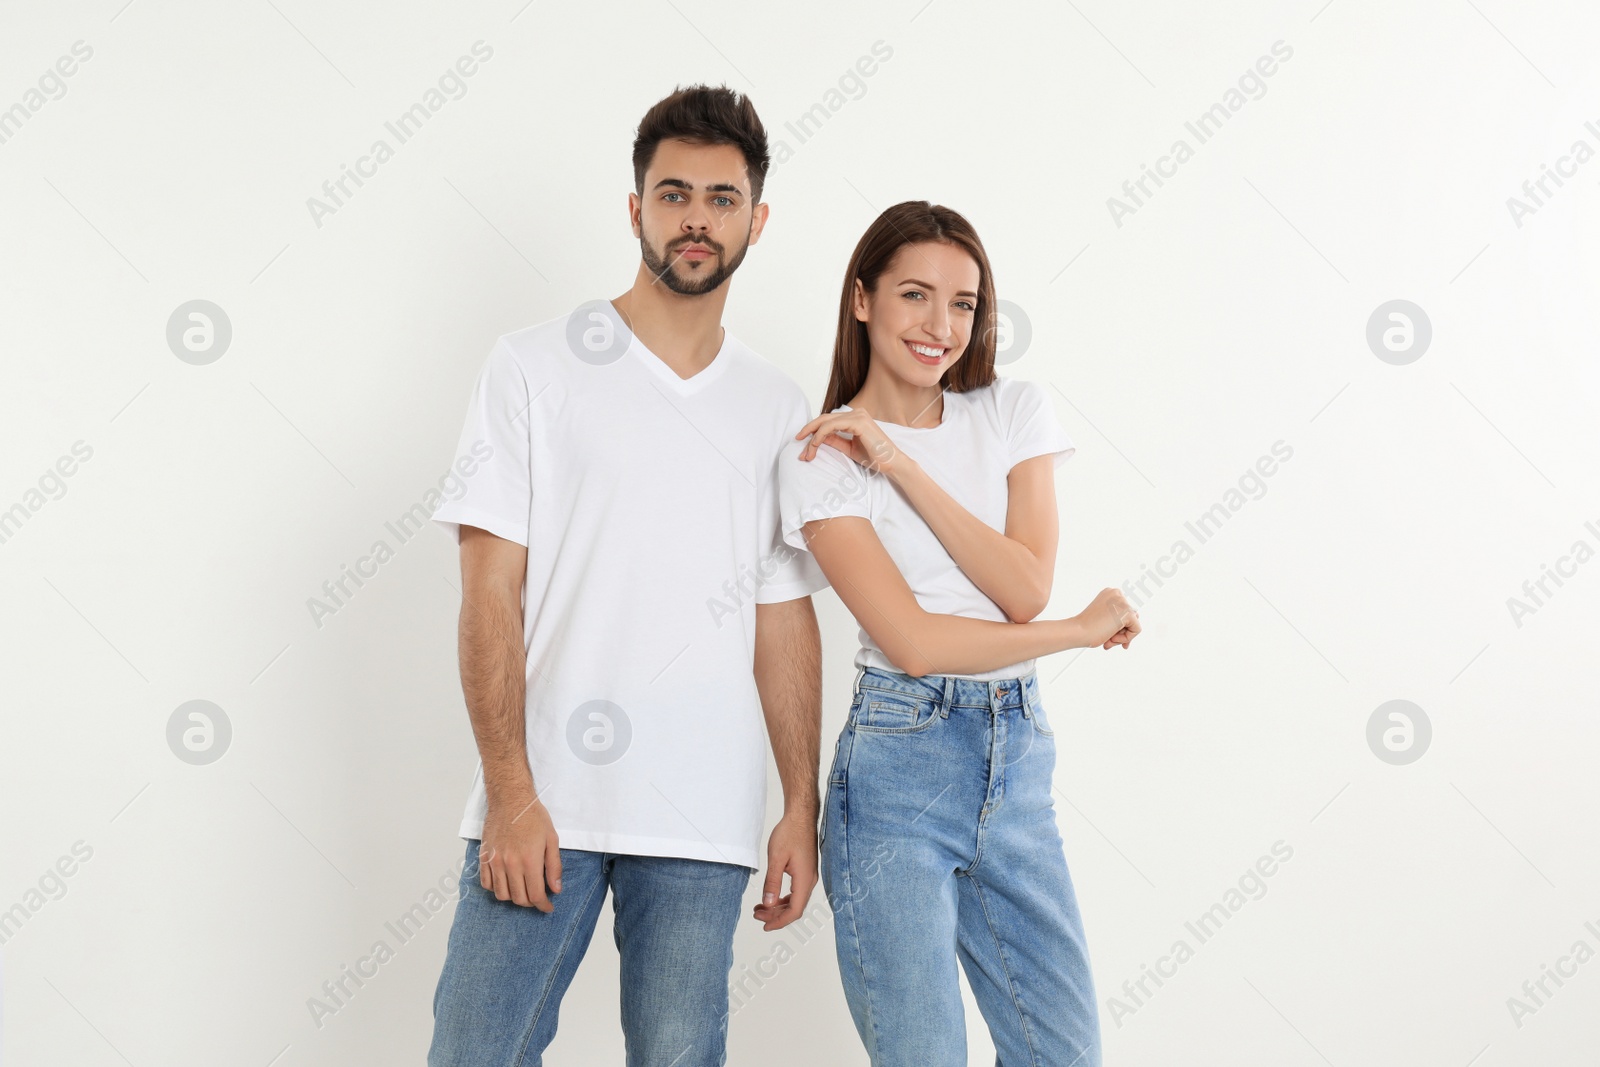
column 983, row 434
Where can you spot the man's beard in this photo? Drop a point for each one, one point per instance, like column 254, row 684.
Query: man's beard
column 696, row 286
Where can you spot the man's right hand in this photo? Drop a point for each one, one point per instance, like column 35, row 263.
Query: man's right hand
column 519, row 852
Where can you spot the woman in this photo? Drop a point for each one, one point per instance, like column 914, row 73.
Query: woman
column 926, row 494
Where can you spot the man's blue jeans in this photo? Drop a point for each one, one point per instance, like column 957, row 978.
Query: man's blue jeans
column 940, row 843
column 507, row 967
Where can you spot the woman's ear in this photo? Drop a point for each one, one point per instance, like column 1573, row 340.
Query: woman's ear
column 860, row 301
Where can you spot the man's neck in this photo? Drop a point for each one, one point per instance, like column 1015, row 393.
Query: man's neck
column 684, row 331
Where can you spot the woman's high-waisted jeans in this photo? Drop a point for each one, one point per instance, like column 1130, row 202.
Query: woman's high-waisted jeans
column 939, row 843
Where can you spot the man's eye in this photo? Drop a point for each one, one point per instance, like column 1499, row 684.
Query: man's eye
column 669, row 195
column 727, row 201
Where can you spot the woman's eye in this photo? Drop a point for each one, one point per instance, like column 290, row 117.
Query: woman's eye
column 913, row 293
column 966, row 304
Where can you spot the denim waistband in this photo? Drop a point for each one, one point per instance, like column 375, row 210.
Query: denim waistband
column 953, row 692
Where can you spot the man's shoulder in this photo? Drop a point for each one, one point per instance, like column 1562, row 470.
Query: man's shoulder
column 557, row 348
column 765, row 378
column 539, row 341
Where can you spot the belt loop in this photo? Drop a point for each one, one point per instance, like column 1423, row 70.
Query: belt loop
column 949, row 695
column 855, row 689
column 1027, row 702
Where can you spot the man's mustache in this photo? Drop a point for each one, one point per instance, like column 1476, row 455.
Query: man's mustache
column 710, row 246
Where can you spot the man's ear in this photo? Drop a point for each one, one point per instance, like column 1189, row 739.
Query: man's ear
column 635, row 207
column 860, row 300
column 758, row 222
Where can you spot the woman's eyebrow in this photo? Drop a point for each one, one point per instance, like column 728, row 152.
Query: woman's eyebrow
column 925, row 285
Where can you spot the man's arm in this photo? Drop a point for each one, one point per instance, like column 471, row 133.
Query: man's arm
column 519, row 851
column 788, row 672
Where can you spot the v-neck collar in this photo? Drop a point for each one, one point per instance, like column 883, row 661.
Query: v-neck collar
column 683, row 386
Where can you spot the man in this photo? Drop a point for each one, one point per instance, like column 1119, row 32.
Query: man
column 629, row 613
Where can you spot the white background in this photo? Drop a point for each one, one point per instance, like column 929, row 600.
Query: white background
column 1227, row 313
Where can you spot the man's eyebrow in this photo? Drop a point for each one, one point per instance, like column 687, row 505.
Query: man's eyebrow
column 925, row 285
column 679, row 183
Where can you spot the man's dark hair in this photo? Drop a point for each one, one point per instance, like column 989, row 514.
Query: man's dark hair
column 705, row 115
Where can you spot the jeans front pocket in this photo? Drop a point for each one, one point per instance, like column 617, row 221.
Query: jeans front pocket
column 887, row 712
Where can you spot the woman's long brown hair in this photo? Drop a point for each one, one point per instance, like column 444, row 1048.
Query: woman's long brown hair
column 911, row 222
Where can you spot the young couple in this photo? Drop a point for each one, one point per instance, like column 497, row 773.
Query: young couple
column 638, row 555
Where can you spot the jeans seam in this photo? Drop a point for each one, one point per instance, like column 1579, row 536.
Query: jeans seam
column 842, row 760
column 555, row 970
column 1005, row 965
column 1030, row 707
column 850, row 902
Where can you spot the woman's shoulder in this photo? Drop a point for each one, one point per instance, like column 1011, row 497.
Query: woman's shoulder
column 1001, row 396
column 999, row 388
column 1006, row 388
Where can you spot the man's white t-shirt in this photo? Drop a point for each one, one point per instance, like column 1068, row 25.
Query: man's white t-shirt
column 648, row 505
column 983, row 434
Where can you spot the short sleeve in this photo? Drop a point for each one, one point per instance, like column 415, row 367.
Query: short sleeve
column 490, row 484
column 1031, row 425
column 785, row 574
column 828, row 485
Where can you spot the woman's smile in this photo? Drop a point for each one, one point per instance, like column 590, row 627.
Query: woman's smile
column 932, row 355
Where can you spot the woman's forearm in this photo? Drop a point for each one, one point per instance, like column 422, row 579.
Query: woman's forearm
column 921, row 642
column 954, row 644
column 1006, row 570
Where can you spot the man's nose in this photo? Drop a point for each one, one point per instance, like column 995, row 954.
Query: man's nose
column 697, row 220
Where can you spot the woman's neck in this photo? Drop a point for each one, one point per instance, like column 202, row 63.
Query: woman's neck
column 900, row 403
